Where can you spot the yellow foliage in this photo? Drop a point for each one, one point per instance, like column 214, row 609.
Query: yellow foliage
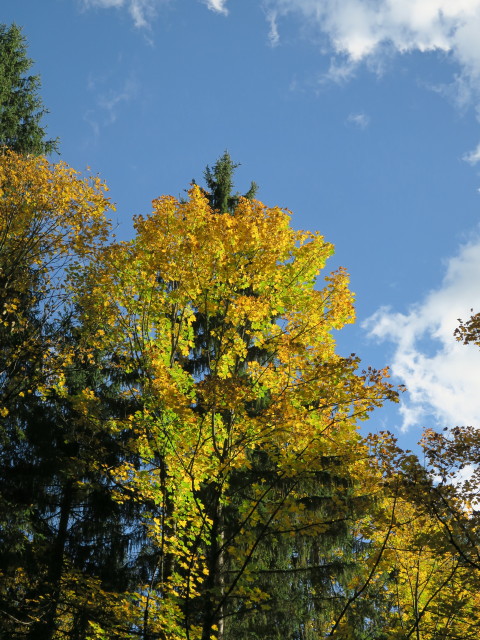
column 237, row 294
column 51, row 221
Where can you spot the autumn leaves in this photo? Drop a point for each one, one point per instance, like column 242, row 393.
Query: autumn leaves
column 191, row 388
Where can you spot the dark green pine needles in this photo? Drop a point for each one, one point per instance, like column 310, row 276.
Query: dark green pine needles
column 21, row 108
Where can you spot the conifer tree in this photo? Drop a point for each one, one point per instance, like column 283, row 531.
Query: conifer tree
column 58, row 521
column 27, row 332
column 21, row 107
column 219, row 181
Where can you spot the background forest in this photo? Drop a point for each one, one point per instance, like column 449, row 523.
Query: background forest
column 181, row 452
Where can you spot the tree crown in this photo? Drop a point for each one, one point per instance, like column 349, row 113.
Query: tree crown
column 21, row 108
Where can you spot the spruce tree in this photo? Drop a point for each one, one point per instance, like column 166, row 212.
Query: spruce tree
column 26, row 334
column 219, row 181
column 58, row 520
column 21, row 107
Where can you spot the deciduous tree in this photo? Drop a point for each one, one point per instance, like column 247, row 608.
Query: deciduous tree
column 432, row 551
column 236, row 292
column 50, row 221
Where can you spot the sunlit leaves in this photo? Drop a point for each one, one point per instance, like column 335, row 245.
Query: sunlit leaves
column 232, row 343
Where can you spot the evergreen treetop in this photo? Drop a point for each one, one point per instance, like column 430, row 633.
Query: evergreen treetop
column 21, row 108
column 219, row 181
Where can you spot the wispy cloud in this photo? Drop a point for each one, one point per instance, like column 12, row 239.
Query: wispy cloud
column 141, row 11
column 440, row 373
column 108, row 101
column 473, row 157
column 273, row 34
column 360, row 120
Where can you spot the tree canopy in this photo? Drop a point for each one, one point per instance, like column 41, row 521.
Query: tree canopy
column 180, row 446
column 236, row 359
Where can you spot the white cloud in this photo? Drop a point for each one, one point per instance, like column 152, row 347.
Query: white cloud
column 217, row 5
column 273, row 34
column 473, row 156
column 441, row 374
column 360, row 120
column 360, row 30
column 369, row 31
column 141, row 11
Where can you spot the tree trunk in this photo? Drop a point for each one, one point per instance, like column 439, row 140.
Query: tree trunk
column 214, row 585
column 44, row 628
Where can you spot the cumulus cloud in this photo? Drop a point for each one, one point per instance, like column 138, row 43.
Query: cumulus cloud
column 217, row 5
column 360, row 120
column 369, row 31
column 441, row 374
column 362, row 28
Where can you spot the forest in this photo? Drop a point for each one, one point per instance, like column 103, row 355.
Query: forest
column 180, row 452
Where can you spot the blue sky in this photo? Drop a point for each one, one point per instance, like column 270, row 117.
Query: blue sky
column 361, row 116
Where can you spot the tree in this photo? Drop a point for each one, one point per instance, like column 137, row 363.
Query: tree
column 21, row 108
column 34, row 245
column 50, row 221
column 432, row 550
column 236, row 294
column 219, row 181
column 306, row 577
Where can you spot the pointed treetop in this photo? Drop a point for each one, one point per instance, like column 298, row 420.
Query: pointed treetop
column 219, row 181
column 21, row 108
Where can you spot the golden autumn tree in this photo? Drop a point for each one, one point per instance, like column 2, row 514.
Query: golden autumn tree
column 51, row 219
column 431, row 552
column 232, row 355
column 434, row 549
